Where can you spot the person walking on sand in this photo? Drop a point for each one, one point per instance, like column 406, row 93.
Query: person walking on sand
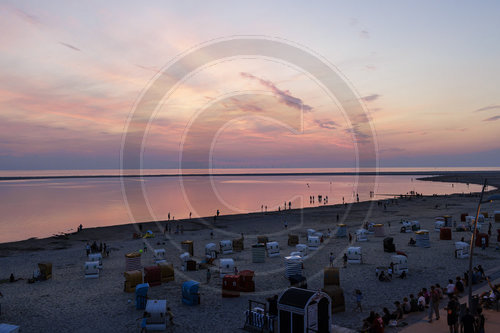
column 345, row 260
column 468, row 322
column 480, row 320
column 285, row 223
column 434, row 304
column 87, row 248
column 170, row 316
column 452, row 314
column 332, row 258
column 359, row 297
column 209, row 275
column 273, row 306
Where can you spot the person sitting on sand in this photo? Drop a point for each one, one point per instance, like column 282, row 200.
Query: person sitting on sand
column 421, row 301
column 368, row 321
column 377, row 325
column 386, row 317
column 403, row 275
column 413, row 303
column 406, row 306
column 476, row 276
column 398, row 312
column 412, row 242
column 481, row 270
column 383, row 278
column 450, row 288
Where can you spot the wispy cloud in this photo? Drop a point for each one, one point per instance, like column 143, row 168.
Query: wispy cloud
column 328, row 124
column 70, row 46
column 358, row 134
column 25, row 16
column 492, row 118
column 487, row 108
column 245, row 106
column 370, row 98
column 364, row 34
column 284, row 96
column 149, row 68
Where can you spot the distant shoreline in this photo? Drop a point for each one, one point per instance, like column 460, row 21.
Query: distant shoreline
column 436, row 173
column 115, row 231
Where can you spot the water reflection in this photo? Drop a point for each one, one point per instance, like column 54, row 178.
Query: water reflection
column 37, row 208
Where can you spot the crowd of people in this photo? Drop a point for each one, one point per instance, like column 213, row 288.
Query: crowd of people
column 459, row 317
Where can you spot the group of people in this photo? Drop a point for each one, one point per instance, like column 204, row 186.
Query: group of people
column 387, row 277
column 458, row 315
column 179, row 229
column 94, row 248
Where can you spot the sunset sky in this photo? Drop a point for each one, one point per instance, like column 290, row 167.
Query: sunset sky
column 428, row 74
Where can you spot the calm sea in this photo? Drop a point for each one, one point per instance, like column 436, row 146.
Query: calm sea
column 43, row 207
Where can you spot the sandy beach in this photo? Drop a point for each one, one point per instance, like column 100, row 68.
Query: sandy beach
column 70, row 303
